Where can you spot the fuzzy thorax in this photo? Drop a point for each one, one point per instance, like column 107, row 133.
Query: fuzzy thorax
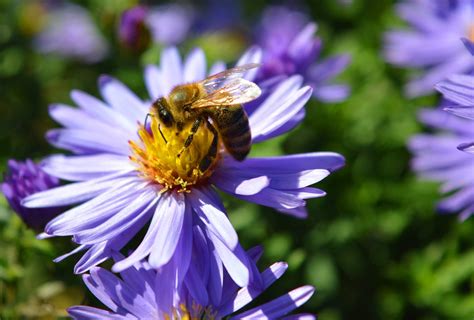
column 161, row 158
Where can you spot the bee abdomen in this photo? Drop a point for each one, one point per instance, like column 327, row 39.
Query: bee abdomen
column 233, row 125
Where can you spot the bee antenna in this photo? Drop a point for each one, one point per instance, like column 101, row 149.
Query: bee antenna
column 162, row 135
column 146, row 118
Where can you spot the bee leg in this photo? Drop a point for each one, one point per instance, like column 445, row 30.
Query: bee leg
column 189, row 139
column 212, row 152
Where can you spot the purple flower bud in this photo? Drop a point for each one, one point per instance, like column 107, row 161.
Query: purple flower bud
column 23, row 179
column 133, row 32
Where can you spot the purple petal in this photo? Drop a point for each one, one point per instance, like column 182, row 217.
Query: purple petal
column 85, row 141
column 280, row 306
column 102, row 112
column 87, row 313
column 469, row 45
column 81, row 168
column 458, row 88
column 233, row 182
column 247, row 294
column 164, row 210
column 328, row 69
column 122, row 99
column 331, row 93
column 252, row 55
column 264, row 122
column 100, row 292
column 171, row 69
column 215, row 220
column 463, row 112
column 278, row 165
column 122, row 293
column 235, row 261
column 138, row 211
column 95, row 211
column 467, row 147
column 168, row 231
column 152, row 82
column 299, row 45
column 195, row 66
column 301, row 316
column 73, row 193
column 217, row 67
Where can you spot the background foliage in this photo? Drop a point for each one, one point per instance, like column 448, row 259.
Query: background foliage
column 373, row 247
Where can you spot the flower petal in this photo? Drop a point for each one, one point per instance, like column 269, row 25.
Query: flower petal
column 87, row 313
column 280, row 306
column 73, row 193
column 215, row 220
column 81, row 168
column 195, row 66
column 122, row 99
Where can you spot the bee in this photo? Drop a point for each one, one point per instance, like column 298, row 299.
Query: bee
column 217, row 103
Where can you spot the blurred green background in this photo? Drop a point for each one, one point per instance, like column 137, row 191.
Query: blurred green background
column 374, row 247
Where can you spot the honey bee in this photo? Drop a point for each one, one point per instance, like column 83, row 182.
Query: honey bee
column 218, row 98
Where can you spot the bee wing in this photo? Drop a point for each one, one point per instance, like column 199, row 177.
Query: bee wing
column 237, row 91
column 221, row 79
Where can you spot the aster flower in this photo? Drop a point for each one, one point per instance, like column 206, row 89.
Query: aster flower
column 123, row 180
column 436, row 156
column 169, row 24
column 290, row 47
column 432, row 44
column 23, row 179
column 70, row 32
column 140, row 293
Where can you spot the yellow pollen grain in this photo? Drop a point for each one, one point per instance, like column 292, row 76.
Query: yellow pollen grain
column 158, row 161
column 470, row 33
column 197, row 312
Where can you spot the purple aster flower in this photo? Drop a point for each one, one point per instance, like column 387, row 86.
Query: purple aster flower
column 459, row 91
column 132, row 30
column 23, row 179
column 124, row 180
column 436, row 156
column 432, row 42
column 70, row 32
column 290, row 47
column 169, row 24
column 141, row 293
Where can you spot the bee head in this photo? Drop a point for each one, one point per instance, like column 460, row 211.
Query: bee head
column 163, row 111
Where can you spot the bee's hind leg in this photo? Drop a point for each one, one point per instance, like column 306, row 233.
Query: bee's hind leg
column 189, row 139
column 212, row 152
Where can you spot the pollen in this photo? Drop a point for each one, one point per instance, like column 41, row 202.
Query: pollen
column 161, row 157
column 470, row 33
column 196, row 312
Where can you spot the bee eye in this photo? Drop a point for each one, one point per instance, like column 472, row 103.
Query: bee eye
column 163, row 113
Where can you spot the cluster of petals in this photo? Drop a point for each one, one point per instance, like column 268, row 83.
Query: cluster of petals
column 142, row 292
column 431, row 43
column 437, row 156
column 290, row 47
column 110, row 202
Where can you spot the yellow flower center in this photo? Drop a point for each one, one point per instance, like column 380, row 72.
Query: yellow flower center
column 162, row 158
column 470, row 32
column 197, row 312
